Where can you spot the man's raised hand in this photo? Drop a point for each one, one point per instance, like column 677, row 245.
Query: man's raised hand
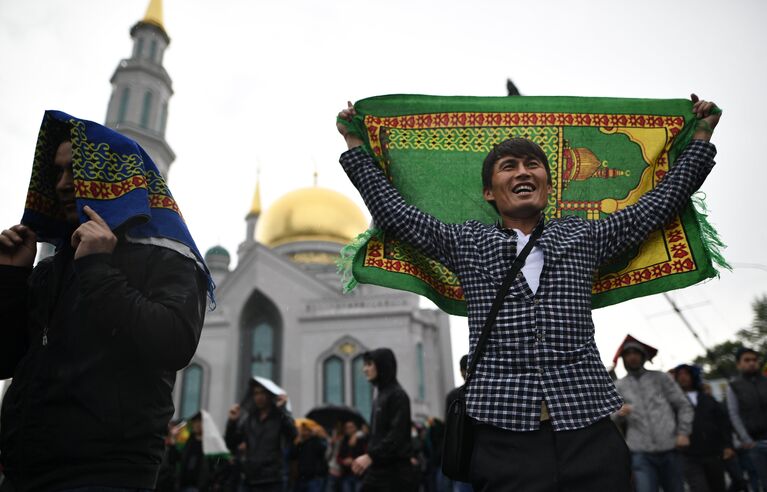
column 348, row 114
column 234, row 412
column 708, row 114
column 18, row 246
column 93, row 237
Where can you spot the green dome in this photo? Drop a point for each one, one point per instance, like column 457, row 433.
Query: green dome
column 217, row 251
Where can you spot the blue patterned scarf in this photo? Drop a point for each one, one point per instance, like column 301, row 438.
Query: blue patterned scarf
column 115, row 177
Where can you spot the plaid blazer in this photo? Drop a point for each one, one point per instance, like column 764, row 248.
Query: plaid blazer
column 542, row 345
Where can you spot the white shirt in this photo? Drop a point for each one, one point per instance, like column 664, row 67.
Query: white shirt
column 534, row 263
column 693, row 397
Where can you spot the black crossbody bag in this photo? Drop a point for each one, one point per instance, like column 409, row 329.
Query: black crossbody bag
column 459, row 439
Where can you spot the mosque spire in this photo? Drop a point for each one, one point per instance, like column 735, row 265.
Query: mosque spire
column 255, row 207
column 142, row 88
column 154, row 14
column 251, row 220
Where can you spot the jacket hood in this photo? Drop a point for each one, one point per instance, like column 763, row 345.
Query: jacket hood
column 695, row 374
column 386, row 366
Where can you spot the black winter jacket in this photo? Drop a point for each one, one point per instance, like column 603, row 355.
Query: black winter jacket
column 310, row 458
column 390, row 446
column 93, row 347
column 711, row 431
column 263, row 459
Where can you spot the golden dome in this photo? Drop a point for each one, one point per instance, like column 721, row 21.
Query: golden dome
column 311, row 214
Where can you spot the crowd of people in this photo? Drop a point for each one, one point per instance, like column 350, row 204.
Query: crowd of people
column 86, row 335
column 269, row 450
column 679, row 434
column 680, row 438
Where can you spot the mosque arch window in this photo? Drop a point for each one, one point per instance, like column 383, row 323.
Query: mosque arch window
column 333, row 381
column 261, row 351
column 340, row 380
column 164, row 117
column 146, row 109
column 123, row 109
column 260, row 339
column 421, row 371
column 362, row 390
column 191, row 390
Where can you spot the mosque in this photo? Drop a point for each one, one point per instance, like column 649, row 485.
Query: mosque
column 280, row 312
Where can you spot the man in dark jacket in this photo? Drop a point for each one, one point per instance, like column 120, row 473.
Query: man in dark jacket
column 747, row 406
column 353, row 445
column 309, row 455
column 94, row 335
column 257, row 436
column 386, row 465
column 711, row 438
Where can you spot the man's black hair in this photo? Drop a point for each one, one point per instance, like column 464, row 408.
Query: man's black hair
column 744, row 350
column 464, row 363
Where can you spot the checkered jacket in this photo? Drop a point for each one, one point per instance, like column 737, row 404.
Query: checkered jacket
column 542, row 345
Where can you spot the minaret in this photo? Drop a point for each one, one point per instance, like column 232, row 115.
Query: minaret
column 141, row 89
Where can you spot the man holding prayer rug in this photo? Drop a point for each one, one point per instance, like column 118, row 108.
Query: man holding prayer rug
column 541, row 397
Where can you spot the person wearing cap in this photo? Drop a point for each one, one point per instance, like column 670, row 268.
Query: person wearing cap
column 711, row 438
column 256, row 432
column 747, row 407
column 386, row 466
column 657, row 417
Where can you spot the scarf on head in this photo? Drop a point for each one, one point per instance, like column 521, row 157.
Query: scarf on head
column 116, row 178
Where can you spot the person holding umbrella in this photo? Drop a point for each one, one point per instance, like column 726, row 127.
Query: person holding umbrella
column 255, row 433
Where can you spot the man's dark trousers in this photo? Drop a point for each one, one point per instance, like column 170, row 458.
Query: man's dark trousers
column 704, row 473
column 583, row 460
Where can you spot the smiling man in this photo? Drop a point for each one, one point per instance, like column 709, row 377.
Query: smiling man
column 541, row 397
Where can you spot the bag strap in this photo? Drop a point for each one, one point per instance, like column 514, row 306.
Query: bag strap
column 519, row 261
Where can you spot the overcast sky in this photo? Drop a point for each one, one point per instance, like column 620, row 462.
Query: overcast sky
column 258, row 83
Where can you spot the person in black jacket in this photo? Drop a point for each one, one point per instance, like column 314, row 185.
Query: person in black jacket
column 353, row 445
column 196, row 471
column 386, row 465
column 93, row 336
column 257, row 437
column 309, row 455
column 711, row 438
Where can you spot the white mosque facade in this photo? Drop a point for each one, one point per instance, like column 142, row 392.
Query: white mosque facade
column 280, row 312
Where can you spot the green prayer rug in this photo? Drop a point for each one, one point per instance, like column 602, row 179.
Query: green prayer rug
column 603, row 153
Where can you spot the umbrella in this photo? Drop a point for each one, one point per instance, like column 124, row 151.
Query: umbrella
column 328, row 415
